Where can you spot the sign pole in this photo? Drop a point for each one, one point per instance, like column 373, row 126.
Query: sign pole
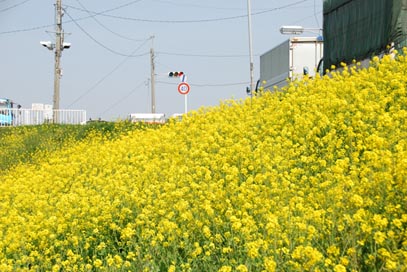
column 186, row 103
column 184, row 88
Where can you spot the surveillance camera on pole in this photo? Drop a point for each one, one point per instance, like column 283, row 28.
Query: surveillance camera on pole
column 48, row 44
column 66, row 45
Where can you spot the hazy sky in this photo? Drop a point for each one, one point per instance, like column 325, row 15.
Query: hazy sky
column 107, row 69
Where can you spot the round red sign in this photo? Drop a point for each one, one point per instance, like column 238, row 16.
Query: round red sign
column 183, row 88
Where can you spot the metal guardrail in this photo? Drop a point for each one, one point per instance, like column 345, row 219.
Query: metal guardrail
column 25, row 117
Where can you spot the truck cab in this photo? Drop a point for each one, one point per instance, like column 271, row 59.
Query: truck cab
column 7, row 107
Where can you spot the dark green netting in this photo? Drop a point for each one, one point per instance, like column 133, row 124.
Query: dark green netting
column 360, row 29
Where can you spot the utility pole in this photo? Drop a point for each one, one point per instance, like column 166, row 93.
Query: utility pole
column 59, row 45
column 58, row 53
column 152, row 76
column 249, row 15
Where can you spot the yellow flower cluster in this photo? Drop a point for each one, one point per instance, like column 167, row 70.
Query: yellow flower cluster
column 313, row 178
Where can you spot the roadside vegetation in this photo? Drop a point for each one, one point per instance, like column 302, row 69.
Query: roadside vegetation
column 27, row 144
column 310, row 178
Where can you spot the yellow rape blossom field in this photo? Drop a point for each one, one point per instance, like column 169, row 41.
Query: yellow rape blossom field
column 311, row 178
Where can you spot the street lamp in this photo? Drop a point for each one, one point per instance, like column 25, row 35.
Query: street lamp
column 249, row 20
column 298, row 30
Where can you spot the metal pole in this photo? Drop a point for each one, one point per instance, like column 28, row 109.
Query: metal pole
column 249, row 16
column 152, row 77
column 186, row 103
column 58, row 51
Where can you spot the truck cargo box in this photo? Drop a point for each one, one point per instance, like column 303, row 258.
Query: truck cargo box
column 290, row 60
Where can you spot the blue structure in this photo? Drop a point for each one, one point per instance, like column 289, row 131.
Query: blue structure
column 6, row 111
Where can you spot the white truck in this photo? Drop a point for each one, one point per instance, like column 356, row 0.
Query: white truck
column 290, row 60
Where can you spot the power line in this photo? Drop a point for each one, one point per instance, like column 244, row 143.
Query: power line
column 26, row 29
column 53, row 25
column 195, row 21
column 102, row 13
column 221, row 84
column 122, row 6
column 304, row 18
column 201, row 55
column 105, row 11
column 14, row 6
column 200, row 6
column 99, row 43
column 107, row 75
column 208, row 85
column 123, row 98
column 105, row 27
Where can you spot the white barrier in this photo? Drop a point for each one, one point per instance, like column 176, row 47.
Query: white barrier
column 153, row 118
column 24, row 117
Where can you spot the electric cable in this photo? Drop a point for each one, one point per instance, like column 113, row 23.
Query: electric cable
column 107, row 75
column 196, row 21
column 99, row 43
column 220, row 84
column 201, row 55
column 304, row 18
column 14, row 6
column 200, row 6
column 123, row 98
column 207, row 85
column 26, row 29
column 107, row 10
column 102, row 13
column 53, row 25
column 105, row 27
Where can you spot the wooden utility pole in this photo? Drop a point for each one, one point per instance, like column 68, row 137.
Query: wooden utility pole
column 152, row 76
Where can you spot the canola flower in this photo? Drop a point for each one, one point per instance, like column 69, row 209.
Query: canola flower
column 309, row 179
column 30, row 143
column 17, row 145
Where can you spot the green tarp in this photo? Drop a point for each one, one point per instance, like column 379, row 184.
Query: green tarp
column 360, row 29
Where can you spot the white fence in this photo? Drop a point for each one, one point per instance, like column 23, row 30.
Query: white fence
column 152, row 118
column 24, row 117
